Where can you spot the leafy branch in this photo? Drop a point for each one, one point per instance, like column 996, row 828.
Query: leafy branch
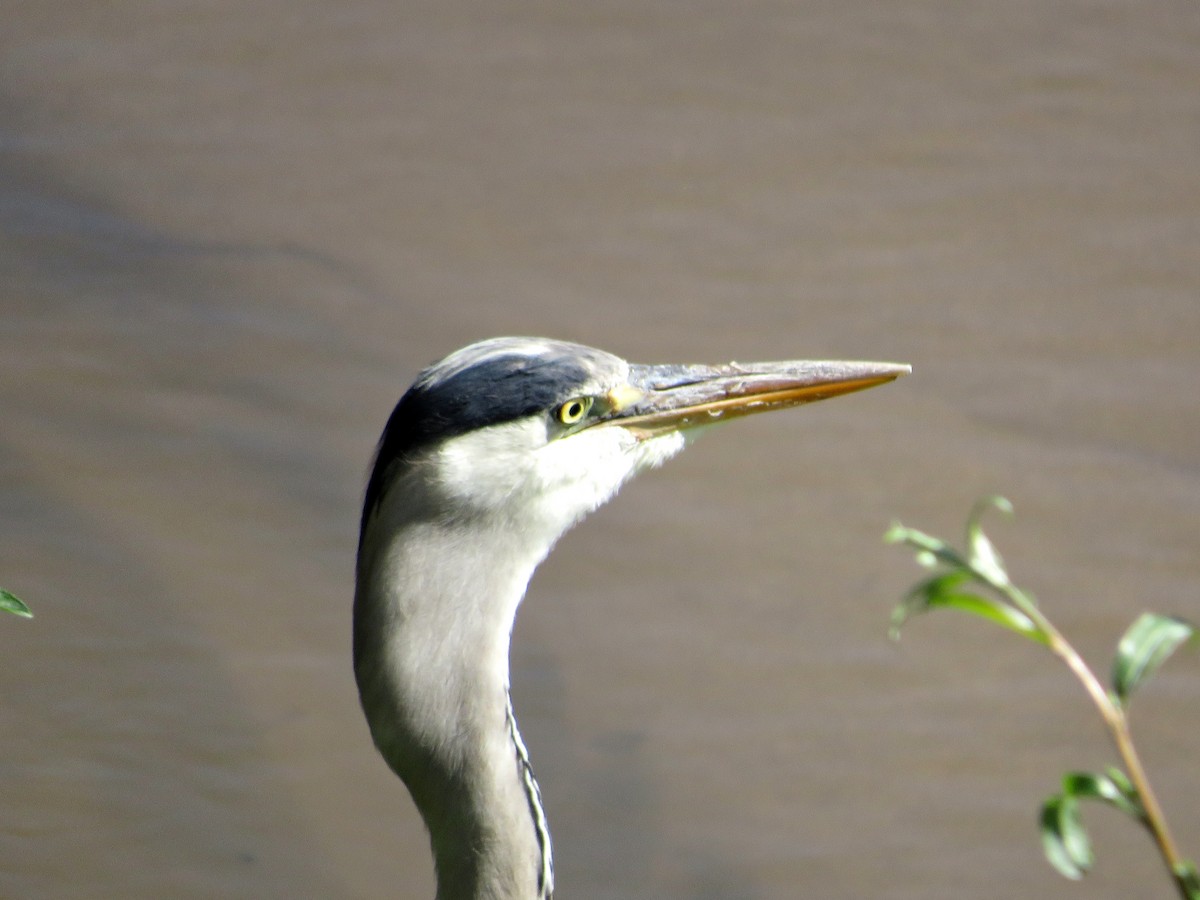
column 958, row 576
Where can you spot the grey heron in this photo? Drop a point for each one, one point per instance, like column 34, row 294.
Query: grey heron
column 490, row 457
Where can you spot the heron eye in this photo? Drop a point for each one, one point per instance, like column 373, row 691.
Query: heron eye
column 573, row 411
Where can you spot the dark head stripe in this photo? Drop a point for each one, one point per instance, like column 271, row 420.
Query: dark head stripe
column 497, row 389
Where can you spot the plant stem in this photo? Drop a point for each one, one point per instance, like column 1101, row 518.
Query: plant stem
column 1118, row 726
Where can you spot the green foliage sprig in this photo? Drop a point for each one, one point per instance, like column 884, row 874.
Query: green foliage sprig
column 974, row 580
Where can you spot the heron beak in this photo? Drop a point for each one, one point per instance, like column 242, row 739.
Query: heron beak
column 660, row 399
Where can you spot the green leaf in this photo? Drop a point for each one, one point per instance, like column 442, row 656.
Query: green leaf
column 1064, row 839
column 1144, row 647
column 12, row 603
column 929, row 549
column 994, row 611
column 1091, row 786
column 1122, row 782
column 944, row 591
column 917, row 600
column 982, row 555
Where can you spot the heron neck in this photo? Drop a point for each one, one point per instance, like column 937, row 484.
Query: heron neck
column 433, row 619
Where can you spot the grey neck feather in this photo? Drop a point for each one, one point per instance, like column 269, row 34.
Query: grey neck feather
column 433, row 613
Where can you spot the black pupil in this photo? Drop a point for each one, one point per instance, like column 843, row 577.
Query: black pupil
column 574, row 408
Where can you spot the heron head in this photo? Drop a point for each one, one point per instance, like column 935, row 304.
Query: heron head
column 531, row 429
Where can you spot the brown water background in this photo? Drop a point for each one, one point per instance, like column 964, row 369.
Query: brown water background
column 231, row 233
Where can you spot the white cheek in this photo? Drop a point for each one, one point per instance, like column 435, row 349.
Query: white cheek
column 541, row 485
column 592, row 464
column 579, row 473
column 482, row 469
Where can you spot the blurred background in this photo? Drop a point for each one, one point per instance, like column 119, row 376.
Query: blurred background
column 232, row 233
